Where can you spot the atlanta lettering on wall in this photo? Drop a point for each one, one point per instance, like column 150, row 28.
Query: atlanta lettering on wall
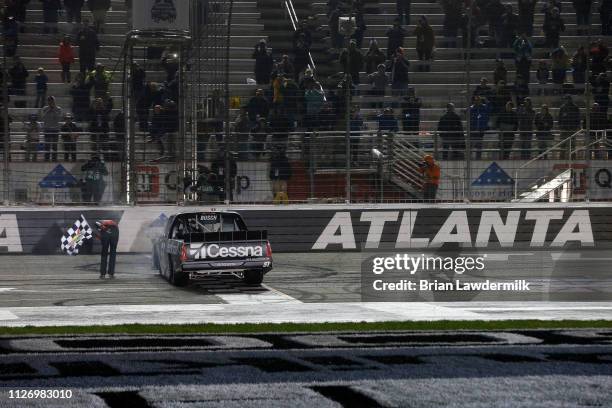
column 468, row 228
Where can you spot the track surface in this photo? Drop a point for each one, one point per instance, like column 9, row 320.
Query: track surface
column 34, row 281
column 398, row 369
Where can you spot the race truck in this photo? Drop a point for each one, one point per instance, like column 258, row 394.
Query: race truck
column 200, row 244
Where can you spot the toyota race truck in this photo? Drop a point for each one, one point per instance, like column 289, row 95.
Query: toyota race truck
column 198, row 244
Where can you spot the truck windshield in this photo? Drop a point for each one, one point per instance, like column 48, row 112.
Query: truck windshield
column 211, row 222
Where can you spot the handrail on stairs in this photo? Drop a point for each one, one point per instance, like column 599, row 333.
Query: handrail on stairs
column 294, row 22
column 543, row 154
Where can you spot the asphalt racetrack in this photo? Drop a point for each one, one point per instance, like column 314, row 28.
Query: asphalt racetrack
column 313, row 287
column 31, row 280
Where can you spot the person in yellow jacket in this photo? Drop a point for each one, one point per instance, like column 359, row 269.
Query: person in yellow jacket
column 431, row 177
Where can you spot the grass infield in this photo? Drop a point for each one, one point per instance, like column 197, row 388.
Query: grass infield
column 310, row 327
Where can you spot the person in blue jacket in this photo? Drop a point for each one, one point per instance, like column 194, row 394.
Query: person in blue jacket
column 479, row 123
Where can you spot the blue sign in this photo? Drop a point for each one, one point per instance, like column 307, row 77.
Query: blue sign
column 59, row 177
column 493, row 176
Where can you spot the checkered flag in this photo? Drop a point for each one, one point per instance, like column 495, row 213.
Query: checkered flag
column 75, row 236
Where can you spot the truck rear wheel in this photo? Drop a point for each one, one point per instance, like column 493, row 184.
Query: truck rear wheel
column 254, row 277
column 178, row 278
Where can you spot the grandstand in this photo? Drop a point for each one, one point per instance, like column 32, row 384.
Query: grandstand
column 385, row 165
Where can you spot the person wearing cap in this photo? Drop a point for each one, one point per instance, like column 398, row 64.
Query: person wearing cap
column 108, row 233
column 431, row 177
column 32, row 129
column 51, row 115
column 70, row 133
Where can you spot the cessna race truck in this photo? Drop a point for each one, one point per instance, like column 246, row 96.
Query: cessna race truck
column 199, row 244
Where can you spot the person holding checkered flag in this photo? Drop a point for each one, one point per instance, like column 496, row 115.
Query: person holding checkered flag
column 74, row 238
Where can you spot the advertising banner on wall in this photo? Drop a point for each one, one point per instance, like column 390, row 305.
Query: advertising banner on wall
column 160, row 15
column 344, row 229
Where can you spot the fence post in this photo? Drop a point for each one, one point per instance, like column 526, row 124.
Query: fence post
column 6, row 130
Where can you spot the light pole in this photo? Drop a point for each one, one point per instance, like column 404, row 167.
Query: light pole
column 347, row 28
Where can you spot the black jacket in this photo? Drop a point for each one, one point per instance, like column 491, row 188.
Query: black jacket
column 450, row 126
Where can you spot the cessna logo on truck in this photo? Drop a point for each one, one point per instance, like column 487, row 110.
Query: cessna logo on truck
column 217, row 251
column 572, row 226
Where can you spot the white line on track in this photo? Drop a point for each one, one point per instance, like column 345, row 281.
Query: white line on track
column 270, row 296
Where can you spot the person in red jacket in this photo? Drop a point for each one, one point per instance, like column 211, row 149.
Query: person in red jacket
column 65, row 56
column 108, row 232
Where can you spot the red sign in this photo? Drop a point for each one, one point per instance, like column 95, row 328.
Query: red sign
column 147, row 182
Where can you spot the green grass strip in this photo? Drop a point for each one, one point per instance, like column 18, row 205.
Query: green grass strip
column 311, row 327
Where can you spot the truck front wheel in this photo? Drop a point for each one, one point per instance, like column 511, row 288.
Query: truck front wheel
column 253, row 277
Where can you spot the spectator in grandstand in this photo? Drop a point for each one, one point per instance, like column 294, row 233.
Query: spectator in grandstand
column 139, row 77
column 280, row 174
column 509, row 27
column 290, row 99
column 500, row 98
column 170, row 62
column 70, row 134
column 241, row 129
column 50, row 116
column 425, row 42
column 483, row 89
column 118, row 148
column 87, row 40
column 583, row 15
column 258, row 106
column 553, row 26
column 526, row 116
column 605, row 16
column 569, row 121
column 18, row 74
column 303, row 35
column 431, row 177
column 218, row 168
column 80, row 98
column 494, row 12
column 280, row 126
column 387, row 122
column 559, row 65
column 450, row 133
column 51, row 10
column 263, row 63
column 395, row 39
column 601, row 91
column 403, row 11
column 543, row 122
column 285, row 67
column 32, row 129
column 507, row 123
column 522, row 56
column 526, row 12
column 307, row 80
column 479, row 123
column 11, row 36
column 542, row 75
column 351, row 61
column 579, row 65
column 99, row 125
column 313, row 99
column 98, row 9
column 40, row 80
column 500, row 73
column 411, row 112
column 399, row 73
column 300, row 56
column 453, row 10
column 337, row 39
column 65, row 56
column 374, row 57
column 73, row 11
column 94, row 185
column 469, row 26
column 99, row 79
column 379, row 81
column 18, row 10
column 277, row 88
column 360, row 25
column 599, row 57
column 259, row 134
